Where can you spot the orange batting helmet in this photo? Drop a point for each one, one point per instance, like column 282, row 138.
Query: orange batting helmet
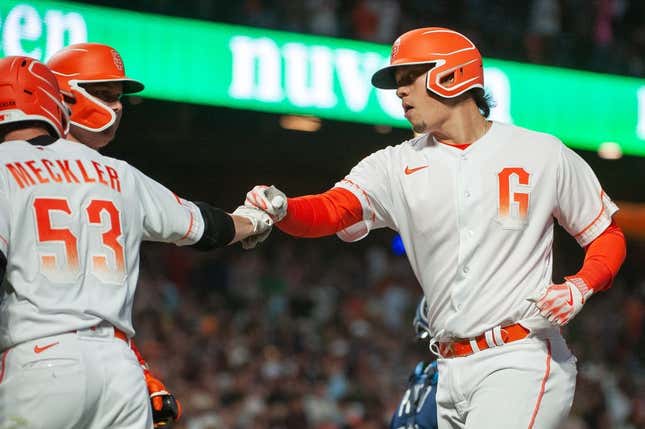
column 457, row 62
column 29, row 92
column 84, row 63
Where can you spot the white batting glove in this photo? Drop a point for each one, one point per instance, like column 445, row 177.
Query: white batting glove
column 269, row 199
column 561, row 302
column 262, row 224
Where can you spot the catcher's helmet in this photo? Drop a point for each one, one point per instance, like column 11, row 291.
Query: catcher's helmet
column 29, row 92
column 452, row 55
column 420, row 322
column 84, row 63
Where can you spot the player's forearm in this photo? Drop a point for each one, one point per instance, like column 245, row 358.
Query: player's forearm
column 603, row 258
column 220, row 228
column 243, row 228
column 320, row 215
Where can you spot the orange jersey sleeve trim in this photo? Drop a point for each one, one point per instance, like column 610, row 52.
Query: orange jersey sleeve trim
column 190, row 227
column 373, row 216
column 602, row 210
column 320, row 215
column 603, row 259
column 191, row 221
column 3, row 364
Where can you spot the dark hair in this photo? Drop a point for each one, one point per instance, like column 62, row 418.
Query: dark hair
column 483, row 100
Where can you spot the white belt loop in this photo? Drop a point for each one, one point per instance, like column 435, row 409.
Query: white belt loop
column 474, row 346
column 497, row 335
column 434, row 346
column 489, row 338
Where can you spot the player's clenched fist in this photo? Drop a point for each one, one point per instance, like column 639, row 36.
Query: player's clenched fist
column 262, row 224
column 268, row 198
column 561, row 302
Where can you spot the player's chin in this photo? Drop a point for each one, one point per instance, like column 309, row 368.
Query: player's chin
column 107, row 135
column 419, row 127
column 100, row 139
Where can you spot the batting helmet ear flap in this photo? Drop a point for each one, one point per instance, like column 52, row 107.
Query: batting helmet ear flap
column 451, row 81
column 90, row 113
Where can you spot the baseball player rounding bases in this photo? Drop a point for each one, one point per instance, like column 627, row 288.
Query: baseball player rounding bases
column 475, row 202
column 71, row 224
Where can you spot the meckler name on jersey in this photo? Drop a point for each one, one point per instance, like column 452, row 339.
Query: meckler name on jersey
column 42, row 171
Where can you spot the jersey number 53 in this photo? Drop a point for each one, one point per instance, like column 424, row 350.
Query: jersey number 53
column 66, row 268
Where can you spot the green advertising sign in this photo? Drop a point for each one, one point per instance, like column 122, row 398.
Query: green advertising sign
column 249, row 68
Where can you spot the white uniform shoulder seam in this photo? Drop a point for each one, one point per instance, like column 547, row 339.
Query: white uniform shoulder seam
column 416, row 141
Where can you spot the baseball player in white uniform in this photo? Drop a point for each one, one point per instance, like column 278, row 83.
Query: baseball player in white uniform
column 474, row 202
column 71, row 224
column 92, row 79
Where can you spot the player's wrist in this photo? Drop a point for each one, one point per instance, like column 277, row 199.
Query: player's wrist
column 581, row 286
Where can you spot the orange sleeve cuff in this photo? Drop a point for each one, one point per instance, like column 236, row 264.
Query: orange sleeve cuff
column 603, row 259
column 320, row 215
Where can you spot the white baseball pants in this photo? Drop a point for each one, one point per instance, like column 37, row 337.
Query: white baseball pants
column 525, row 384
column 81, row 380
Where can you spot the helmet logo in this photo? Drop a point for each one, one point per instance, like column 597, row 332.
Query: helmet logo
column 395, row 48
column 118, row 62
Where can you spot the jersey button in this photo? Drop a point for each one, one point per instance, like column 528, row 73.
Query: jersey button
column 467, row 194
column 466, row 269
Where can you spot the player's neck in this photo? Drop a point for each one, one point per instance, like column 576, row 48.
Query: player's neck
column 464, row 127
column 71, row 138
column 26, row 133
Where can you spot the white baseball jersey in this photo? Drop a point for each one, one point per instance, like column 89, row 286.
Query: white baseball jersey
column 477, row 224
column 71, row 224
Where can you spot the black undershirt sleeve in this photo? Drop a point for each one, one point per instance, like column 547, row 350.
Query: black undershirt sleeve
column 219, row 229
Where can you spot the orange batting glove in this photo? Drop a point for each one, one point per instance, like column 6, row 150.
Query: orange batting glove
column 561, row 302
column 165, row 408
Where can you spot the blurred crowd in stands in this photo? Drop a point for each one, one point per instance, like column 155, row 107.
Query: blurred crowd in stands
column 318, row 334
column 605, row 36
